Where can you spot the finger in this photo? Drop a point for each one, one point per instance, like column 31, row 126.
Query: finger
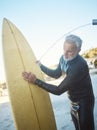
column 24, row 73
column 25, row 79
column 38, row 62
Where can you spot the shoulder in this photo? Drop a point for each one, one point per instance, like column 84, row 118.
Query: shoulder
column 79, row 60
column 78, row 64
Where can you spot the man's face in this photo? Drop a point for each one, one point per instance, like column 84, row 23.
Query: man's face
column 70, row 51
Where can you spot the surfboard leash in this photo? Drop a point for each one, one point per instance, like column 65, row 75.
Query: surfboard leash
column 94, row 22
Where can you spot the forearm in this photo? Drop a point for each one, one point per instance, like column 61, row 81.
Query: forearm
column 52, row 73
column 49, row 87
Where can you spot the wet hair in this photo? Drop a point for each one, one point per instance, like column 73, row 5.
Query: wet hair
column 75, row 40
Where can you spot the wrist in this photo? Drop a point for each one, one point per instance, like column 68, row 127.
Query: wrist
column 38, row 82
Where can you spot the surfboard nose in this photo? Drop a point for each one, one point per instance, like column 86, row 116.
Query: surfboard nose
column 5, row 20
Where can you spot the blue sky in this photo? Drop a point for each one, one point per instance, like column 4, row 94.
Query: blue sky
column 44, row 21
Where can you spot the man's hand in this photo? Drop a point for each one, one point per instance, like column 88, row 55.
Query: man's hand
column 38, row 62
column 29, row 77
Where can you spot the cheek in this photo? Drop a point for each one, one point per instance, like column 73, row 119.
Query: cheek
column 73, row 53
column 70, row 55
column 67, row 55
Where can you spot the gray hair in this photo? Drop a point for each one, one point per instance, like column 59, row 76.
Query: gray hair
column 74, row 39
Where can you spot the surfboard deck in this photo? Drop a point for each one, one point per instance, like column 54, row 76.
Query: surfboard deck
column 31, row 106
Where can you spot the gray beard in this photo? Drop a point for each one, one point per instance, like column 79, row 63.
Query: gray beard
column 69, row 59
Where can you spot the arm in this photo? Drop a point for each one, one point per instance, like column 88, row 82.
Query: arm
column 56, row 73
column 73, row 78
column 48, row 87
column 57, row 90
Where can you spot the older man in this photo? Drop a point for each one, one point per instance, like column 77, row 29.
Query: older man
column 77, row 83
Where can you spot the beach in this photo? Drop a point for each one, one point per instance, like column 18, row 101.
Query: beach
column 61, row 107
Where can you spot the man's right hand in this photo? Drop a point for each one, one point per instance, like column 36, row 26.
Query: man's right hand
column 38, row 62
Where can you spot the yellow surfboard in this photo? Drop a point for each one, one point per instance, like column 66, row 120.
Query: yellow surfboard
column 31, row 106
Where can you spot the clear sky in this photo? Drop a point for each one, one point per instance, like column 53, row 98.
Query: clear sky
column 44, row 21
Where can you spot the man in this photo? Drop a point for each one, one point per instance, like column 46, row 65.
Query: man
column 77, row 83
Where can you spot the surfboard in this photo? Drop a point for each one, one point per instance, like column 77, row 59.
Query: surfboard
column 31, row 105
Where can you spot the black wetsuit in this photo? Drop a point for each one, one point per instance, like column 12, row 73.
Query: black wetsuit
column 79, row 88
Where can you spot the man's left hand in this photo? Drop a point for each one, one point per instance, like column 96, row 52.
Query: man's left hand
column 29, row 77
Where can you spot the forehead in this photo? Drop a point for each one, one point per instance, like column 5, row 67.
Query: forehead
column 70, row 46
